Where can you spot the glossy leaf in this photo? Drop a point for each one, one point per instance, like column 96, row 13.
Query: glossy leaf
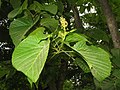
column 30, row 55
column 19, row 27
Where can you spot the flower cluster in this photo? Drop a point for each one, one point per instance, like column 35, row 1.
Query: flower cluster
column 63, row 22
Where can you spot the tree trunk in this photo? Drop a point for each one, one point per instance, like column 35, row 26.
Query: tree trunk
column 78, row 21
column 112, row 25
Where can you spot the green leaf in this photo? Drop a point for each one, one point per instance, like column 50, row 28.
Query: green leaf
column 15, row 4
column 116, row 73
column 117, row 83
column 50, row 23
column 98, row 34
column 39, row 33
column 97, row 59
column 52, row 8
column 36, row 6
column 79, row 2
column 74, row 37
column 18, row 10
column 30, row 81
column 14, row 13
column 60, row 7
column 19, row 27
column 82, row 64
column 72, row 2
column 68, row 85
column 107, row 84
column 82, row 9
column 3, row 71
column 30, row 55
column 116, row 56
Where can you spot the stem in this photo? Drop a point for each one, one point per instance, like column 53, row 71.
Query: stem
column 78, row 21
column 63, row 38
column 69, row 56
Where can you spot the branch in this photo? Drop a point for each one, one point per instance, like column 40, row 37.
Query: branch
column 112, row 25
column 78, row 21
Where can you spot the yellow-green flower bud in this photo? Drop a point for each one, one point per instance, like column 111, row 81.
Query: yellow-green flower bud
column 63, row 22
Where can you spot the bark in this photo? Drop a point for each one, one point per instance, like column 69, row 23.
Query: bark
column 112, row 25
column 78, row 21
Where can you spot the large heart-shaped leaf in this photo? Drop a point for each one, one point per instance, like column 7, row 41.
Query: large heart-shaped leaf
column 19, row 27
column 96, row 58
column 30, row 55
